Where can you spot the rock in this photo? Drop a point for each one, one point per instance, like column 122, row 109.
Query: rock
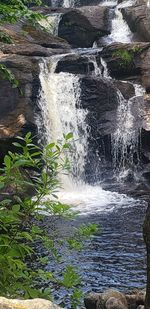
column 26, row 49
column 130, row 61
column 36, row 303
column 136, row 299
column 78, row 64
column 114, row 294
column 91, row 300
column 138, row 19
column 23, row 33
column 114, row 303
column 81, row 27
column 18, row 108
column 111, row 299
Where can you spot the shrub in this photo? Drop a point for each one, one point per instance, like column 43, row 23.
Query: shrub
column 35, row 170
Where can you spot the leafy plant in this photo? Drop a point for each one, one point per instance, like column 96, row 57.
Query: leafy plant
column 6, row 74
column 36, row 170
column 5, row 38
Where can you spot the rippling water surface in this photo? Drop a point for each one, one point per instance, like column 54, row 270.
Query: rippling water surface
column 115, row 256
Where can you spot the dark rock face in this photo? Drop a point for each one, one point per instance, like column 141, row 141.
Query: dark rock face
column 81, row 27
column 130, row 60
column 138, row 19
column 17, row 108
column 78, row 64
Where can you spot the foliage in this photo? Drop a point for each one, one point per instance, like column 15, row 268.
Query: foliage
column 5, row 38
column 6, row 74
column 35, row 170
column 14, row 10
column 126, row 56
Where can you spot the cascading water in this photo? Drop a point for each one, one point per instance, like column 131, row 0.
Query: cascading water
column 60, row 105
column 61, row 112
column 126, row 139
column 68, row 3
column 120, row 30
column 51, row 23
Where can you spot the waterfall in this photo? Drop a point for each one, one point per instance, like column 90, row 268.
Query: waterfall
column 51, row 23
column 68, row 3
column 61, row 112
column 126, row 139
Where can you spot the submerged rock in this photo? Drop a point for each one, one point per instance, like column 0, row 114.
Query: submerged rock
column 36, row 303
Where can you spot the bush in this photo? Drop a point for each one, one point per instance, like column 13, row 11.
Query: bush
column 35, row 170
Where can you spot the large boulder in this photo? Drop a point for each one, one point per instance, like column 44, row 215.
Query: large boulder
column 81, row 27
column 131, row 60
column 36, row 303
column 138, row 19
column 111, row 299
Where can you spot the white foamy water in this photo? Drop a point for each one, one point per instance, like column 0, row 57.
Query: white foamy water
column 68, row 3
column 51, row 23
column 86, row 199
column 125, row 140
column 120, row 31
column 62, row 113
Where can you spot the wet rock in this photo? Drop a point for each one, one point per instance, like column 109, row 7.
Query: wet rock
column 36, row 303
column 138, row 19
column 81, row 27
column 78, row 64
column 130, row 61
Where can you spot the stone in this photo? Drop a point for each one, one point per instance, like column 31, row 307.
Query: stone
column 78, row 64
column 90, row 300
column 137, row 67
column 114, row 303
column 36, row 303
column 138, row 19
column 81, row 27
column 136, row 299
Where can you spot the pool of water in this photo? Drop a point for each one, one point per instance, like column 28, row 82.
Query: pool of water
column 115, row 257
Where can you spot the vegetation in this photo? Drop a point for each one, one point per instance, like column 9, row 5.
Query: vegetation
column 126, row 56
column 35, row 170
